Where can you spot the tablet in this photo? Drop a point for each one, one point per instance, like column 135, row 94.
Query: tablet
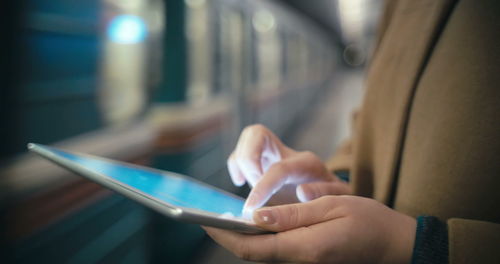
column 177, row 196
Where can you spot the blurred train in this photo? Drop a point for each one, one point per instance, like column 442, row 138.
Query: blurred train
column 168, row 84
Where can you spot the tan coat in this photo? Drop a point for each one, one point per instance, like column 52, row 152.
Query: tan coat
column 427, row 138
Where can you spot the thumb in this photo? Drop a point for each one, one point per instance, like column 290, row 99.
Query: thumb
column 313, row 190
column 291, row 216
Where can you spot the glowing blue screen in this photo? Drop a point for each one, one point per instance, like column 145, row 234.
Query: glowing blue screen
column 166, row 187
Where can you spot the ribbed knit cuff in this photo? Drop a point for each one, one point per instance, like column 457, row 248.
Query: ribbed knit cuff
column 342, row 175
column 431, row 242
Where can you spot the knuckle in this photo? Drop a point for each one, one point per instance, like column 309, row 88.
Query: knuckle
column 255, row 128
column 283, row 166
column 276, row 167
column 349, row 200
column 259, row 127
column 308, row 155
column 278, row 170
column 290, row 216
column 254, row 158
column 328, row 199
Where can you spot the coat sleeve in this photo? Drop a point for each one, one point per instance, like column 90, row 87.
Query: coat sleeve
column 473, row 241
column 456, row 241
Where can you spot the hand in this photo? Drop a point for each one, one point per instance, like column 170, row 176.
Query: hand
column 262, row 160
column 331, row 229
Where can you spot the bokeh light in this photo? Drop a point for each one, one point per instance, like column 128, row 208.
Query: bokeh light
column 127, row 29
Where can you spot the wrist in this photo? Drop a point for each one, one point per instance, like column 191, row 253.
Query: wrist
column 402, row 241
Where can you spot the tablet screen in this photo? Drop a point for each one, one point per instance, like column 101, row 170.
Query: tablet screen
column 166, row 187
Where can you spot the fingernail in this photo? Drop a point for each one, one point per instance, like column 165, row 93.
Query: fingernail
column 301, row 195
column 238, row 181
column 265, row 216
column 304, row 193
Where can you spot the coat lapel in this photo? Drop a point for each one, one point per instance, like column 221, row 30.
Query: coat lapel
column 395, row 71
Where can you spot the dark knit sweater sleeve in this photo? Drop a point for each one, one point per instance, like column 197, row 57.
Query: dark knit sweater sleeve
column 431, row 242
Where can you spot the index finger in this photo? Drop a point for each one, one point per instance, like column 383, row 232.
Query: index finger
column 272, row 181
column 294, row 170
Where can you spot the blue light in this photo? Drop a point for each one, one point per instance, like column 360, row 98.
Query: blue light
column 127, row 29
column 164, row 186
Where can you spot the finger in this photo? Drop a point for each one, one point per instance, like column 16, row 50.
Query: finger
column 273, row 180
column 310, row 191
column 270, row 154
column 294, row 170
column 248, row 247
column 257, row 149
column 280, row 247
column 286, row 217
column 249, row 169
column 234, row 171
column 248, row 154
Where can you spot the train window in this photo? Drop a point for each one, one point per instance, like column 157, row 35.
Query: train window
column 231, row 49
column 268, row 50
column 293, row 59
column 284, row 51
column 236, row 35
column 199, row 53
column 124, row 60
column 303, row 60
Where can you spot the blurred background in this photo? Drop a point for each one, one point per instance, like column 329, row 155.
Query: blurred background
column 163, row 83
